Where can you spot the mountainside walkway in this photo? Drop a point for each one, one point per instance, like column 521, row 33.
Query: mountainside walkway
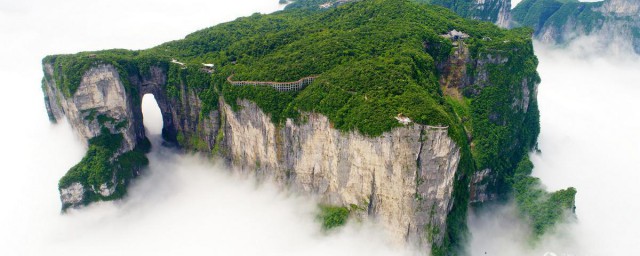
column 280, row 86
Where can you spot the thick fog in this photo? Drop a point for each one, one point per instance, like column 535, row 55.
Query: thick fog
column 589, row 140
column 186, row 205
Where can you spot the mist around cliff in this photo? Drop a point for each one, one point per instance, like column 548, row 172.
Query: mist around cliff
column 589, row 140
column 187, row 206
column 184, row 204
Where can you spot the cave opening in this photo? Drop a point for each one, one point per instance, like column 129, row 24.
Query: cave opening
column 151, row 116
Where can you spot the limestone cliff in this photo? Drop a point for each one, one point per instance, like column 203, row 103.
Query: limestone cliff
column 103, row 101
column 404, row 110
column 404, row 178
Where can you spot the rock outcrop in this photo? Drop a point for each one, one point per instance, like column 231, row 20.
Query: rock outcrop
column 404, row 177
column 101, row 96
column 103, row 101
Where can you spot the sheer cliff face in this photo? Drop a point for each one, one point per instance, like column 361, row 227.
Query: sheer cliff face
column 101, row 94
column 100, row 102
column 611, row 22
column 103, row 104
column 496, row 11
column 403, row 178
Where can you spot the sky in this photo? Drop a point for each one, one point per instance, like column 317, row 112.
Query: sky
column 188, row 205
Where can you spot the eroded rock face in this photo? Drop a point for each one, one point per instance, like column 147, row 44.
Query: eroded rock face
column 455, row 78
column 181, row 115
column 73, row 194
column 480, row 187
column 504, row 14
column 403, row 178
column 497, row 11
column 101, row 99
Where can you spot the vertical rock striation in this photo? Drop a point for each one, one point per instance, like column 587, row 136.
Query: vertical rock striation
column 108, row 103
column 496, row 11
column 403, row 178
column 101, row 97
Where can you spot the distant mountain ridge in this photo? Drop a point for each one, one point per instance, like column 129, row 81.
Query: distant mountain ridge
column 611, row 22
column 495, row 11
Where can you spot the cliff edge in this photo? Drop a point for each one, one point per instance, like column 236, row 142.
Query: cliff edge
column 409, row 113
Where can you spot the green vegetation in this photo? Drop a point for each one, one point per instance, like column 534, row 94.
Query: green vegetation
column 374, row 60
column 370, row 57
column 468, row 8
column 502, row 133
column 69, row 69
column 97, row 167
column 534, row 13
column 559, row 14
column 464, row 8
column 541, row 208
column 333, row 216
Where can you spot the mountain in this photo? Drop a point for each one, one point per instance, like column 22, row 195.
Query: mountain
column 495, row 11
column 390, row 110
column 611, row 22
